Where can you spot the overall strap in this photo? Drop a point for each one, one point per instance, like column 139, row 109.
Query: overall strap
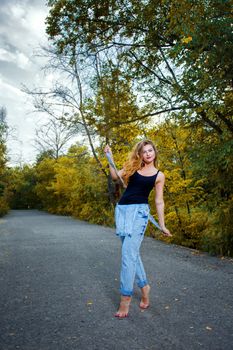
column 111, row 162
column 154, row 222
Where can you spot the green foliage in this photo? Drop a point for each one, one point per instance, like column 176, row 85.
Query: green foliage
column 198, row 192
column 188, row 229
column 198, row 200
column 4, row 208
column 73, row 185
column 4, row 205
column 219, row 238
column 21, row 188
column 151, row 58
column 44, row 176
column 173, row 51
column 4, row 202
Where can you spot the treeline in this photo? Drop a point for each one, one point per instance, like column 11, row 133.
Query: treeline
column 131, row 70
column 4, row 178
column 198, row 183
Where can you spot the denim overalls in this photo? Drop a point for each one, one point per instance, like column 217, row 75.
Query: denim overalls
column 131, row 222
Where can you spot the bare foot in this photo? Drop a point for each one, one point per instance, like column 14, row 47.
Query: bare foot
column 145, row 301
column 123, row 310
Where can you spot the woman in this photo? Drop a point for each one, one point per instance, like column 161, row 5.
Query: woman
column 131, row 214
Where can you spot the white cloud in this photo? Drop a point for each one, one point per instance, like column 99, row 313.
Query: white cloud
column 22, row 30
column 22, row 60
column 34, row 21
column 23, row 26
column 17, row 11
column 6, row 89
column 6, row 55
column 19, row 58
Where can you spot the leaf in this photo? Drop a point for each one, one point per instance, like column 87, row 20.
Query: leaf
column 186, row 40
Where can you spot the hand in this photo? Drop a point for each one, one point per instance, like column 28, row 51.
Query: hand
column 107, row 149
column 166, row 232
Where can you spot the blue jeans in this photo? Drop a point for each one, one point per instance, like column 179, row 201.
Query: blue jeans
column 131, row 222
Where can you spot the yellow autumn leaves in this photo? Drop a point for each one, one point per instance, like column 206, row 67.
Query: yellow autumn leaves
column 186, row 40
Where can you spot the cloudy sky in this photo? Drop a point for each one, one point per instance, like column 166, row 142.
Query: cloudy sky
column 22, row 31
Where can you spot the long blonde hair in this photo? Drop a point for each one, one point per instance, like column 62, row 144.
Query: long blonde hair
column 135, row 161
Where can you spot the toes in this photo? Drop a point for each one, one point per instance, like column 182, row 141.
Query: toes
column 144, row 306
column 119, row 315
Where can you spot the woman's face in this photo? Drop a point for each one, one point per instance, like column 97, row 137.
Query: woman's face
column 148, row 154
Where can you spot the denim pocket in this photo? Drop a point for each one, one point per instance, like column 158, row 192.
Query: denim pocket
column 143, row 212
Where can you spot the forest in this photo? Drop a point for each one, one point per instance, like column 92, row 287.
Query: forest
column 132, row 70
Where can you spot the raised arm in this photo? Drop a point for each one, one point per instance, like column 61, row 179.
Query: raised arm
column 159, row 202
column 112, row 170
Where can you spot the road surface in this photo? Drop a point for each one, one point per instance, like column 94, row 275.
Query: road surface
column 59, row 282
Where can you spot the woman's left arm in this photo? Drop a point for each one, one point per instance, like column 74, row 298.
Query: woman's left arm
column 159, row 202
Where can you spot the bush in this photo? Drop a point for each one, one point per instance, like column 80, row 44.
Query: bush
column 219, row 240
column 3, row 207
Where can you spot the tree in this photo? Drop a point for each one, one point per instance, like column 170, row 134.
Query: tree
column 45, row 174
column 73, row 185
column 68, row 96
column 53, row 137
column 177, row 56
column 184, row 193
column 110, row 113
column 3, row 136
column 173, row 50
column 3, row 159
column 21, row 188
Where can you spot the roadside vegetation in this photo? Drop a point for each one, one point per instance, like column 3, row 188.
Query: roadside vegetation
column 131, row 70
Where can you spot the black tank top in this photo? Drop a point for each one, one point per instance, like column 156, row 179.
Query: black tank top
column 138, row 189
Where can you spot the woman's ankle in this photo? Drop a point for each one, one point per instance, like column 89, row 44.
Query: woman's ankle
column 145, row 300
column 145, row 289
column 126, row 298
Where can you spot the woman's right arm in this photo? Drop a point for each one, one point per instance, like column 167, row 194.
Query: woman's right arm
column 112, row 170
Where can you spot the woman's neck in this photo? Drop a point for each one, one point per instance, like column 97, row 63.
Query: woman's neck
column 148, row 166
column 147, row 169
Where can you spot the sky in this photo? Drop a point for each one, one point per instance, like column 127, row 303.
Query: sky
column 22, row 31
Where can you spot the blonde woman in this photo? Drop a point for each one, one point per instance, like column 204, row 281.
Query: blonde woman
column 140, row 175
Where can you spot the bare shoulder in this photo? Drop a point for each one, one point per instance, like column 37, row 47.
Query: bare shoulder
column 160, row 177
column 159, row 184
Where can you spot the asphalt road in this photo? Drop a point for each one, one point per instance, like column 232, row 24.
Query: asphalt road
column 59, row 281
